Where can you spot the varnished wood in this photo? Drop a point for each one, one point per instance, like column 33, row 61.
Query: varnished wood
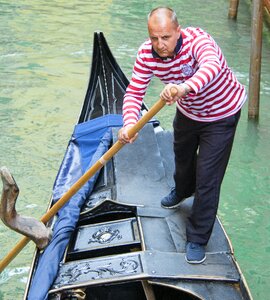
column 233, row 9
column 75, row 187
column 255, row 60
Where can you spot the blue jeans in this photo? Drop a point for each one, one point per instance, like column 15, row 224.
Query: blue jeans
column 202, row 151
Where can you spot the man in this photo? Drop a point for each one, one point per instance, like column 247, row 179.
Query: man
column 209, row 99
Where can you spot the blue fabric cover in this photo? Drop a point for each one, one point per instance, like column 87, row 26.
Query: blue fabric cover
column 90, row 140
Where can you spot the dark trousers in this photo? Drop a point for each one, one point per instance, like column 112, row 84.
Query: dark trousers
column 202, row 151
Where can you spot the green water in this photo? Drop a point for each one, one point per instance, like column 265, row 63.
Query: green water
column 45, row 54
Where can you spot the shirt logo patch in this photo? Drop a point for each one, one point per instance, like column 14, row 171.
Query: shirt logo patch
column 187, row 70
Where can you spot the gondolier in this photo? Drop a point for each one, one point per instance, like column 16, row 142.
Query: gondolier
column 104, row 236
column 209, row 101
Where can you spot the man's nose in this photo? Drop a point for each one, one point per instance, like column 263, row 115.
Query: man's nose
column 160, row 44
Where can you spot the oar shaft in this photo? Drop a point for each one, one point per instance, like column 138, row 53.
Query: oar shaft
column 102, row 161
column 13, row 253
column 76, row 186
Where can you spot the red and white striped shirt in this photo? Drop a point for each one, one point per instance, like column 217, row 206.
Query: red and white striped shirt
column 216, row 92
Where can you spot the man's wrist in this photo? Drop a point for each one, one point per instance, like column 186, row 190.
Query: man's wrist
column 185, row 87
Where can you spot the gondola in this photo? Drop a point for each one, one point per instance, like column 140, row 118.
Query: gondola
column 113, row 240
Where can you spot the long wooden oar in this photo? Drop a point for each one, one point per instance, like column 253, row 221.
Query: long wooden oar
column 87, row 175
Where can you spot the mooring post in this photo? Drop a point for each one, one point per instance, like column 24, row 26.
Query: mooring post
column 233, row 9
column 255, row 59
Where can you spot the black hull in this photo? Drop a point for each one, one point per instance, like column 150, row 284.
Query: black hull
column 125, row 246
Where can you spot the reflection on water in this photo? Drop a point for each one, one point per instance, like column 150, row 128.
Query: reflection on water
column 46, row 49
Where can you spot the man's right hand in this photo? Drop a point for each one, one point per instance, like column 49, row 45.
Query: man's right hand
column 123, row 135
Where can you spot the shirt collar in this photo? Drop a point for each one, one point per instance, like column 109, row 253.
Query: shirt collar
column 176, row 49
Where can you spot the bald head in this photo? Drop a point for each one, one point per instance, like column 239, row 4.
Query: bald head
column 164, row 31
column 163, row 14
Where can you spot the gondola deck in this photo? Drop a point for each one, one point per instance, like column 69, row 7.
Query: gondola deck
column 125, row 245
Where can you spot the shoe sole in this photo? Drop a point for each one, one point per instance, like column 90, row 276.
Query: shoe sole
column 178, row 204
column 173, row 206
column 195, row 262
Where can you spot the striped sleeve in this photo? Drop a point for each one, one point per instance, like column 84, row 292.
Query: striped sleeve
column 209, row 63
column 141, row 76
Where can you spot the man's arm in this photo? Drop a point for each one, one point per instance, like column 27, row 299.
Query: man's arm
column 141, row 77
column 208, row 55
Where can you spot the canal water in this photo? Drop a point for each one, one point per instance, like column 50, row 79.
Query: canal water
column 45, row 56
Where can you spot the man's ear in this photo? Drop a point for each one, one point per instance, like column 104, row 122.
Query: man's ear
column 179, row 30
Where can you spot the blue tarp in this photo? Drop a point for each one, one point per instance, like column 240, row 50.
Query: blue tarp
column 90, row 140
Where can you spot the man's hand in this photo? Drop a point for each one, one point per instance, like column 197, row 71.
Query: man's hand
column 166, row 93
column 123, row 135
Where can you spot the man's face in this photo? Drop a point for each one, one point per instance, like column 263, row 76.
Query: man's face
column 164, row 35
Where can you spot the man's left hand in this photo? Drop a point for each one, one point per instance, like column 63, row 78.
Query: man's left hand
column 166, row 94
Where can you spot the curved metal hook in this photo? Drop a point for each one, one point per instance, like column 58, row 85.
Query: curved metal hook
column 28, row 226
